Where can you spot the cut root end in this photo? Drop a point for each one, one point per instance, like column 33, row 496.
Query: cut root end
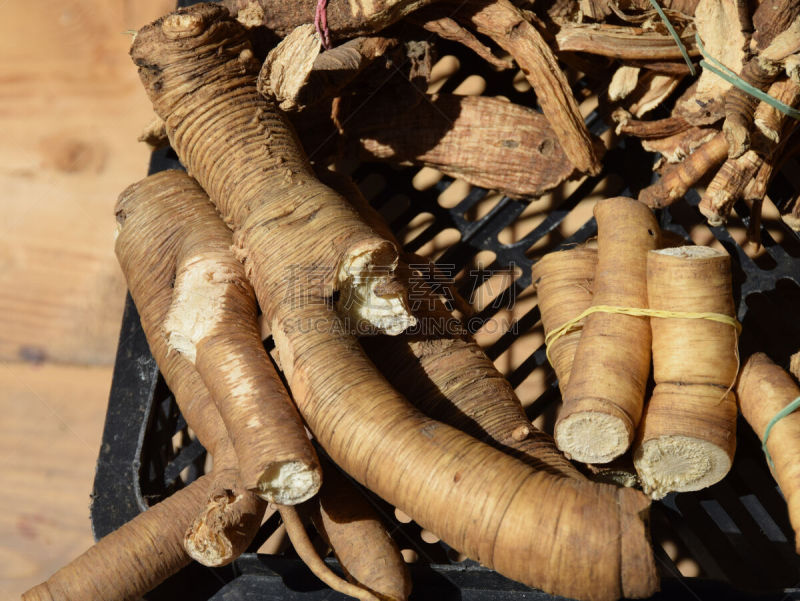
column 680, row 464
column 207, row 541
column 288, row 483
column 371, row 296
column 593, row 437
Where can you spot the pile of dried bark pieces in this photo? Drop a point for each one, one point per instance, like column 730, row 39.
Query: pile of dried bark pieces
column 335, row 67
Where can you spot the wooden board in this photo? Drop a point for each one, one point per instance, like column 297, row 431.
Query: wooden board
column 49, row 440
column 71, row 108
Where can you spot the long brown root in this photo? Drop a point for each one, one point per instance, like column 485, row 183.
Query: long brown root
column 133, row 559
column 147, row 219
column 212, row 321
column 365, row 550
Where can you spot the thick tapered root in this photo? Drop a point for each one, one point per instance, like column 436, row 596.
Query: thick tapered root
column 344, row 517
column 212, row 321
column 151, row 214
column 135, row 558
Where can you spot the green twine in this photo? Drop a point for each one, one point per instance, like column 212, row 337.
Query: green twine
column 717, row 68
column 675, row 35
column 791, row 407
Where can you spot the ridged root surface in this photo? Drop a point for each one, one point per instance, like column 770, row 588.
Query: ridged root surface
column 562, row 535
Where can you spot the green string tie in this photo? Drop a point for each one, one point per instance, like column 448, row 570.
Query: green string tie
column 717, row 68
column 674, row 35
column 790, row 408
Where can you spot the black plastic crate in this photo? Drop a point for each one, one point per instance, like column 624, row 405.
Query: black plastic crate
column 737, row 531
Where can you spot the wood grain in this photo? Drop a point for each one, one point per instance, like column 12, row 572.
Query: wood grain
column 49, row 440
column 71, row 108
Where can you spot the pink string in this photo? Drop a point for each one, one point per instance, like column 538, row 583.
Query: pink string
column 321, row 23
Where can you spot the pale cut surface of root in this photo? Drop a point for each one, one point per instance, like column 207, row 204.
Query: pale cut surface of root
column 288, row 483
column 205, row 541
column 592, row 437
column 370, row 294
column 199, row 293
column 690, row 252
column 680, row 464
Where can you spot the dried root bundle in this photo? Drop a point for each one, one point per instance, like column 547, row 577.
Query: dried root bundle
column 687, row 436
column 603, row 399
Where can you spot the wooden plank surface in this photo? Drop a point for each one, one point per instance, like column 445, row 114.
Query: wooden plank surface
column 71, row 108
column 49, row 439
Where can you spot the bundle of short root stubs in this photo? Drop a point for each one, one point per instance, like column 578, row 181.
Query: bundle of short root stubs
column 260, row 236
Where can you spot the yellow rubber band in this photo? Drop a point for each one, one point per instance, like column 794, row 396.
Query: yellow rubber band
column 574, row 324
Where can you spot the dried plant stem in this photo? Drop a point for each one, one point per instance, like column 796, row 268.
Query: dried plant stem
column 605, row 394
column 676, row 179
column 449, row 29
column 660, row 128
column 728, row 186
column 687, row 436
column 625, row 43
column 769, row 120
